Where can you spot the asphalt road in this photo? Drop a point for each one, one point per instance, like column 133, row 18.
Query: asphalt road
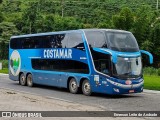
column 133, row 102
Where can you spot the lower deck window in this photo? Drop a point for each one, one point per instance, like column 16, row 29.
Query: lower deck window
column 60, row 65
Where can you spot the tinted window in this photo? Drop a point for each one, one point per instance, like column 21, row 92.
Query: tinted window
column 50, row 41
column 96, row 39
column 73, row 40
column 16, row 43
column 26, row 43
column 60, row 65
column 56, row 40
column 101, row 62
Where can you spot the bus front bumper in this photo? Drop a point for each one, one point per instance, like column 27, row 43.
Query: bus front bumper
column 119, row 88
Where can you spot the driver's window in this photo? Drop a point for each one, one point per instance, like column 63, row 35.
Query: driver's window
column 104, row 66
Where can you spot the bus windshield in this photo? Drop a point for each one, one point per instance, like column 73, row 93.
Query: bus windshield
column 124, row 42
column 114, row 40
column 128, row 67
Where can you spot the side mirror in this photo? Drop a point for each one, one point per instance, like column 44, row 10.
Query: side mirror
column 149, row 54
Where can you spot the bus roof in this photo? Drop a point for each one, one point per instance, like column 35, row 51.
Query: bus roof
column 109, row 30
column 61, row 32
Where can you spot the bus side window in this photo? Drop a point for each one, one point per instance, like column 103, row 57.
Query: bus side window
column 26, row 43
column 16, row 43
column 52, row 41
column 64, row 41
column 104, row 66
column 35, row 42
column 96, row 39
column 56, row 41
column 46, row 41
column 75, row 41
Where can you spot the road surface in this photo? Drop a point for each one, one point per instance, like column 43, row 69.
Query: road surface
column 133, row 102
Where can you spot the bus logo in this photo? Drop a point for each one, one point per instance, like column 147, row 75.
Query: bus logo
column 15, row 63
column 128, row 82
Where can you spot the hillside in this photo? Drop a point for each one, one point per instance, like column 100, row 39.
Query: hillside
column 141, row 17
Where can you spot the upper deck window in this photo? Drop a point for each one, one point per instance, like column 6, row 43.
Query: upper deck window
column 96, row 39
column 67, row 40
column 73, row 40
column 34, row 42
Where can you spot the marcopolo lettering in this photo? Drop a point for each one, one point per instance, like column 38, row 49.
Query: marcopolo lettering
column 57, row 53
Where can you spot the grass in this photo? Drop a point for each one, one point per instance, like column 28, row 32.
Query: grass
column 152, row 82
column 4, row 70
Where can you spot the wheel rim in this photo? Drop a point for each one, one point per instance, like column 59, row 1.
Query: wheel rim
column 73, row 86
column 22, row 80
column 87, row 87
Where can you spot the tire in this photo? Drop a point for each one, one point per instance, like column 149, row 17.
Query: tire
column 86, row 88
column 73, row 88
column 29, row 80
column 22, row 79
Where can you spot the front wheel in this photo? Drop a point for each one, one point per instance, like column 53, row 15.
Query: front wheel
column 29, row 80
column 86, row 88
column 73, row 87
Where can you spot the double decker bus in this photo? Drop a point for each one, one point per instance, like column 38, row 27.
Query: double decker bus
column 91, row 60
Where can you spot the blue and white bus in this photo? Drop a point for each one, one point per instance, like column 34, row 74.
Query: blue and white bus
column 91, row 60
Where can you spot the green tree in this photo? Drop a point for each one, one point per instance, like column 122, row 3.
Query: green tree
column 1, row 17
column 124, row 20
column 147, row 45
column 103, row 25
column 65, row 23
column 49, row 23
column 156, row 39
column 142, row 24
column 29, row 17
column 7, row 30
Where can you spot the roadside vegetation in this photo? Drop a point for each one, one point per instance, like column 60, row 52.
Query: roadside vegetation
column 152, row 82
column 4, row 66
column 4, row 70
column 151, row 78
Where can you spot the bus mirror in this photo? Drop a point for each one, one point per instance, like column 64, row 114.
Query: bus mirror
column 149, row 54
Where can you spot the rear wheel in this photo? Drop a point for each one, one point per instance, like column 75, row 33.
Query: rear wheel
column 73, row 88
column 22, row 79
column 86, row 88
column 29, row 80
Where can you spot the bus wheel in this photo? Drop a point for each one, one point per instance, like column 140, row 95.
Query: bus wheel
column 22, row 80
column 73, row 88
column 86, row 88
column 29, row 80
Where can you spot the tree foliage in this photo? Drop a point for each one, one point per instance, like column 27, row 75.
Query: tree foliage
column 34, row 16
column 124, row 20
column 6, row 31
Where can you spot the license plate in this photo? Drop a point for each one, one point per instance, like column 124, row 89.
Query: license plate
column 131, row 91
